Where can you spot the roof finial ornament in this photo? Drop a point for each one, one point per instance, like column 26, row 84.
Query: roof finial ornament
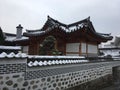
column 88, row 18
column 48, row 17
column 19, row 26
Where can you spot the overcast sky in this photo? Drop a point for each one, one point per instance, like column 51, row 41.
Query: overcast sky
column 32, row 14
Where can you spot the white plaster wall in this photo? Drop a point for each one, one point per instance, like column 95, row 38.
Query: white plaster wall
column 25, row 49
column 92, row 48
column 83, row 47
column 72, row 47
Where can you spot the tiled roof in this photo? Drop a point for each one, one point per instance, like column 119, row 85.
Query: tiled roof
column 36, row 61
column 51, row 24
column 57, row 57
column 13, row 55
column 54, row 62
column 117, row 40
column 12, row 37
column 9, row 37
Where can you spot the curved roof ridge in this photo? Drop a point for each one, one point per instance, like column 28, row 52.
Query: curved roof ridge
column 33, row 30
column 79, row 22
column 56, row 21
column 104, row 33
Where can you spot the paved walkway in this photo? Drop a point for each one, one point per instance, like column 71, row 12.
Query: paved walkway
column 112, row 88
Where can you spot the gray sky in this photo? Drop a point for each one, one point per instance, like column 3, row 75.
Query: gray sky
column 32, row 14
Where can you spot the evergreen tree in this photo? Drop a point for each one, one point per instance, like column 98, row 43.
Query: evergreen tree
column 48, row 46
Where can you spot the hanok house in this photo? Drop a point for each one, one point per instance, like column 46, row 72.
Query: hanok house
column 9, row 40
column 112, row 49
column 79, row 38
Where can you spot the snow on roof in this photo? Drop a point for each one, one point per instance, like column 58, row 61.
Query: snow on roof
column 13, row 55
column 118, row 36
column 117, row 40
column 36, row 32
column 63, row 57
column 105, row 36
column 11, row 47
column 72, row 28
column 54, row 60
column 52, row 23
column 113, row 53
column 13, row 38
column 67, row 30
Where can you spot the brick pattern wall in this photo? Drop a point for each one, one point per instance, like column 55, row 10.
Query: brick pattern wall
column 34, row 74
column 12, row 68
column 54, row 82
column 16, row 75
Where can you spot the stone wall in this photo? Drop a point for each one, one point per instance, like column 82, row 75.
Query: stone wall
column 12, row 73
column 8, row 66
column 52, row 77
column 97, row 84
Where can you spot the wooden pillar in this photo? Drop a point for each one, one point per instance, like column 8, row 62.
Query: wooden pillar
column 80, row 52
column 97, row 49
column 87, row 48
column 65, row 48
